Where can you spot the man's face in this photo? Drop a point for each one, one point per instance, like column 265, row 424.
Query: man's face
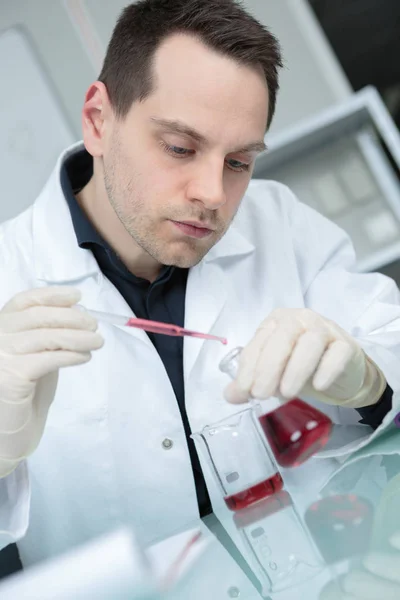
column 179, row 157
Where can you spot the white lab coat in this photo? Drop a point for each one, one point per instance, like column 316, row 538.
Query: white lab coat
column 101, row 460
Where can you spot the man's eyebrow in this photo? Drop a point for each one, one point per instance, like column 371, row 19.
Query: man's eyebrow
column 179, row 127
column 253, row 147
column 183, row 129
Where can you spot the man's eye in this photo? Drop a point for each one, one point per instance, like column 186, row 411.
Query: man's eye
column 176, row 151
column 237, row 165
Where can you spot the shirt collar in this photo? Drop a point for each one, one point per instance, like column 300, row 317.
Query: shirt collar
column 75, row 173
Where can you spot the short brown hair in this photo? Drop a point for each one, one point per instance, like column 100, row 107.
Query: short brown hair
column 222, row 25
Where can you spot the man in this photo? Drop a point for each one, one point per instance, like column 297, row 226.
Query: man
column 148, row 217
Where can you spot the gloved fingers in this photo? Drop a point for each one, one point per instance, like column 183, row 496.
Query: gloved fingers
column 37, row 365
column 38, row 317
column 333, row 364
column 304, row 361
column 384, row 565
column 239, row 390
column 365, row 586
column 233, row 394
column 41, row 340
column 291, row 348
column 46, row 296
column 274, row 357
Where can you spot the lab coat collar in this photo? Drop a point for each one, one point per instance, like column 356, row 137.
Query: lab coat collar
column 53, row 228
column 57, row 256
column 233, row 244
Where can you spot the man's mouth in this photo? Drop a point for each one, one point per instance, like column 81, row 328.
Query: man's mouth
column 193, row 228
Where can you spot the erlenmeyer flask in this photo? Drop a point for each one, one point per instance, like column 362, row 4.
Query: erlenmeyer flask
column 239, row 459
column 295, row 431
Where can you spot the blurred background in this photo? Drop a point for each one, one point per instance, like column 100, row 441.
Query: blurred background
column 334, row 140
column 365, row 37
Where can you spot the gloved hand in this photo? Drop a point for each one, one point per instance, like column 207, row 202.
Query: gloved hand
column 379, row 579
column 298, row 352
column 39, row 334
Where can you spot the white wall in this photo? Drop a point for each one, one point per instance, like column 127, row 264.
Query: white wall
column 68, row 40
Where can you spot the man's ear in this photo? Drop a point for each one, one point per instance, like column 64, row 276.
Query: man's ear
column 95, row 115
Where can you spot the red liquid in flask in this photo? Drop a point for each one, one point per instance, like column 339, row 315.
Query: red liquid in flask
column 295, row 431
column 257, row 492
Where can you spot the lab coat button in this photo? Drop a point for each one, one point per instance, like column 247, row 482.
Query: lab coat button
column 234, row 592
column 167, row 444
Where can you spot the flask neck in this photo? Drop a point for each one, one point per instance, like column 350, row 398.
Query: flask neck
column 230, row 364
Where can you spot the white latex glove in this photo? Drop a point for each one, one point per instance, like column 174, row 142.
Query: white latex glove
column 39, row 334
column 298, row 352
column 379, row 581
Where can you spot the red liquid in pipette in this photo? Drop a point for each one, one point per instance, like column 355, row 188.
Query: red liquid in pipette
column 255, row 493
column 170, row 329
column 295, row 431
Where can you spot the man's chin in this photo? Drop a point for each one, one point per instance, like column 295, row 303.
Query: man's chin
column 183, row 253
column 184, row 259
column 184, row 262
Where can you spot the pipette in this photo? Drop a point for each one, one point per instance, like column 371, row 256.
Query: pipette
column 151, row 326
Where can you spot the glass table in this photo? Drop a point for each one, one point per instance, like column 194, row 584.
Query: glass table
column 327, row 535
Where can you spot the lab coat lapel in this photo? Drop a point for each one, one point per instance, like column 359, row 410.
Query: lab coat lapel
column 206, row 293
column 205, row 298
column 57, row 257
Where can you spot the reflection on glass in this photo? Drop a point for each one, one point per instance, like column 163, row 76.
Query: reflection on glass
column 281, row 551
column 370, row 542
column 340, row 525
column 387, row 517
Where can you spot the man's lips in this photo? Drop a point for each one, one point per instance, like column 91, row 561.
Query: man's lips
column 193, row 228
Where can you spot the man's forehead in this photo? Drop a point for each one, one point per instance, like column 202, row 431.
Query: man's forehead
column 195, row 84
column 185, row 65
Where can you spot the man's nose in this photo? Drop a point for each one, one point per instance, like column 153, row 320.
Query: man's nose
column 207, row 186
